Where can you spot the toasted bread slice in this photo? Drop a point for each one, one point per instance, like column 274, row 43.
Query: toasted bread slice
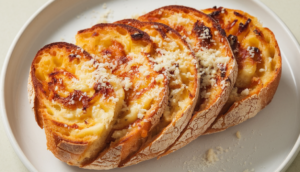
column 259, row 66
column 177, row 61
column 218, row 67
column 75, row 100
column 126, row 50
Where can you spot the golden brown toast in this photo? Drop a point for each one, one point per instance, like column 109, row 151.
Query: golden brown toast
column 176, row 60
column 126, row 50
column 259, row 66
column 218, row 67
column 75, row 100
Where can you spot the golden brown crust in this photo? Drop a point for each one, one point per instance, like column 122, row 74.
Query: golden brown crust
column 208, row 111
column 240, row 110
column 164, row 137
column 32, row 99
column 64, row 149
column 136, row 34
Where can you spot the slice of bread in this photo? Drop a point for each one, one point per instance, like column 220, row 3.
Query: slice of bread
column 75, row 100
column 218, row 68
column 176, row 60
column 259, row 66
column 125, row 50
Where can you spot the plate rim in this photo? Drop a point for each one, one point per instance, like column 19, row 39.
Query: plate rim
column 283, row 166
column 5, row 122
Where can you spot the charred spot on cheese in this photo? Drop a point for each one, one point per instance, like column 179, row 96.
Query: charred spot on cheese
column 123, row 59
column 95, row 34
column 253, row 51
column 223, row 70
column 137, row 36
column 161, row 32
column 257, row 32
column 233, row 41
column 221, row 30
column 243, row 27
column 237, row 14
column 107, row 52
column 72, row 56
column 103, row 88
column 73, row 100
column 232, row 24
column 215, row 13
column 203, row 32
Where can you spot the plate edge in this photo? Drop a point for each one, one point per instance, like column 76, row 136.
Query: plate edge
column 6, row 124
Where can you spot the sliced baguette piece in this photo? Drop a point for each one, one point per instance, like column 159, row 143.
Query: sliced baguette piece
column 259, row 62
column 126, row 50
column 177, row 61
column 218, row 68
column 75, row 100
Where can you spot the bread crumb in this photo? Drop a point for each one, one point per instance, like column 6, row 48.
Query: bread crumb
column 104, row 6
column 104, row 16
column 211, row 157
column 238, row 135
column 220, row 150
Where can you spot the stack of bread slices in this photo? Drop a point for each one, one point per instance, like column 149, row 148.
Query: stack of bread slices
column 142, row 88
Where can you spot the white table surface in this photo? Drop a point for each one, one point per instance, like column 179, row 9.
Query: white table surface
column 16, row 12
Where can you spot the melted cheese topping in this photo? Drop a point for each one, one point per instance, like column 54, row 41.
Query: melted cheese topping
column 212, row 57
column 143, row 91
column 211, row 62
column 178, row 64
column 81, row 75
column 254, row 50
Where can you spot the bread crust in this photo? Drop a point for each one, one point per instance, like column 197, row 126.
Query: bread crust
column 249, row 106
column 64, row 149
column 32, row 99
column 120, row 149
column 157, row 144
column 201, row 118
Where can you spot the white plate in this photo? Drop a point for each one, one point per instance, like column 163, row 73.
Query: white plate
column 269, row 141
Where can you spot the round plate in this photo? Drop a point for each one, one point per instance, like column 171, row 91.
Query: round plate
column 269, row 141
